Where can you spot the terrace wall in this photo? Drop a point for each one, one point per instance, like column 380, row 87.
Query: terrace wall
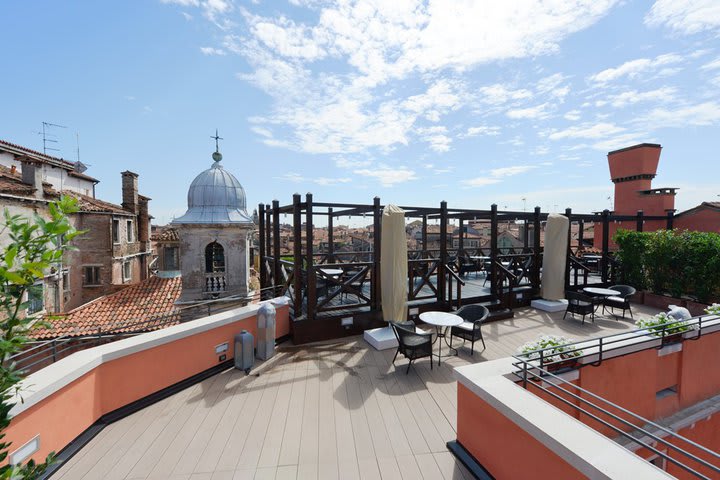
column 547, row 435
column 61, row 401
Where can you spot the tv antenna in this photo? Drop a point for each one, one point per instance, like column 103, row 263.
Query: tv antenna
column 45, row 134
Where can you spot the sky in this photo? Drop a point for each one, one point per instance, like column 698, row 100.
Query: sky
column 514, row 103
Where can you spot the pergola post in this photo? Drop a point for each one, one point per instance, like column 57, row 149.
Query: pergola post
column 443, row 253
column 376, row 293
column 493, row 248
column 461, row 235
column 569, row 254
column 536, row 250
column 669, row 224
column 263, row 253
column 605, row 245
column 311, row 276
column 277, row 266
column 639, row 221
column 424, row 237
column 297, row 254
column 331, row 249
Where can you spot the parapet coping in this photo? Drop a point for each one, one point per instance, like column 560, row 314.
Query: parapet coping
column 46, row 381
column 587, row 450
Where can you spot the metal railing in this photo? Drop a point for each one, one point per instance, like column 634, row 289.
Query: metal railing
column 42, row 353
column 535, row 370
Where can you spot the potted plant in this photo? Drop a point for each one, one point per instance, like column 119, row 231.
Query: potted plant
column 713, row 309
column 554, row 352
column 665, row 326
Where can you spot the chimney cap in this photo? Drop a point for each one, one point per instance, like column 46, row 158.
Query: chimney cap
column 128, row 172
column 639, row 145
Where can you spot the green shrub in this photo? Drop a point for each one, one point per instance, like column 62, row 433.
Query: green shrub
column 681, row 263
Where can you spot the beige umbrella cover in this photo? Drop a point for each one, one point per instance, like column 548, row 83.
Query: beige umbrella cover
column 393, row 264
column 555, row 257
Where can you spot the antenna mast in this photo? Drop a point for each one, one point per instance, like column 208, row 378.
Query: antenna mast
column 45, row 134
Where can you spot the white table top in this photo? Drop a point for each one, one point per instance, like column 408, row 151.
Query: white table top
column 479, row 257
column 331, row 272
column 601, row 291
column 441, row 319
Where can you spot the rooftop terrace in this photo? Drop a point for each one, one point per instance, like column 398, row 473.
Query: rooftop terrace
column 331, row 410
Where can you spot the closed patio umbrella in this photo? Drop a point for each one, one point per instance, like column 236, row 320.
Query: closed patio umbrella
column 555, row 257
column 393, row 264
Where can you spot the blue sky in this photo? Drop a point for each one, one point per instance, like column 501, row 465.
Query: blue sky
column 415, row 102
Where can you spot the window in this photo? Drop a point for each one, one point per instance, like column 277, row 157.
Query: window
column 66, row 281
column 91, row 276
column 214, row 258
column 116, row 231
column 35, row 298
column 170, row 259
column 130, row 231
column 127, row 270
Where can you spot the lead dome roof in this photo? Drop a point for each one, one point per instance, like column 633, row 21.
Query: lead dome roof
column 215, row 197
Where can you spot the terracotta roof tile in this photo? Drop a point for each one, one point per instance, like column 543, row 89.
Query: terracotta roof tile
column 48, row 159
column 11, row 183
column 143, row 307
column 166, row 235
column 90, row 204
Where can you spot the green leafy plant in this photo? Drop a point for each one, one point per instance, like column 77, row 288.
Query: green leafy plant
column 631, row 256
column 35, row 246
column 558, row 348
column 663, row 322
column 713, row 309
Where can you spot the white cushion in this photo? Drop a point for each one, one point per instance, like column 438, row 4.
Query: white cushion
column 467, row 326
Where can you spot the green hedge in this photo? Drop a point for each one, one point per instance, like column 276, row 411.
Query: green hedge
column 679, row 263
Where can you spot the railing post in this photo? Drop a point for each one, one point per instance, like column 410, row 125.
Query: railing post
column 669, row 224
column 331, row 249
column 263, row 253
column 277, row 273
column 581, row 234
column 311, row 276
column 297, row 256
column 569, row 254
column 375, row 292
column 443, row 254
column 639, row 222
column 605, row 245
column 268, row 239
column 526, row 235
column 424, row 237
column 536, row 250
column 461, row 237
column 493, row 249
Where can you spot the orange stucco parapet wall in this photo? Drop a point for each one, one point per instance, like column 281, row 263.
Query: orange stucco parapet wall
column 122, row 372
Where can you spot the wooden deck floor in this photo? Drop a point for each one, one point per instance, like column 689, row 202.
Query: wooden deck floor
column 335, row 410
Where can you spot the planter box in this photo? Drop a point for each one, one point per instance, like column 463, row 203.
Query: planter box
column 638, row 297
column 661, row 302
column 696, row 308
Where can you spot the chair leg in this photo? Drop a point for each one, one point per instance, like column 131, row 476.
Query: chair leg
column 482, row 339
column 396, row 354
column 472, row 347
column 408, row 368
column 565, row 315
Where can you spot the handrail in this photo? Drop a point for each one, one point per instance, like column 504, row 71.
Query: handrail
column 538, row 374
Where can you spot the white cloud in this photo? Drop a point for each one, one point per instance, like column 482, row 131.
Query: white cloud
column 685, row 16
column 481, row 130
column 712, row 65
column 437, row 138
column 664, row 94
column 702, row 114
column 183, row 3
column 497, row 174
column 499, row 94
column 598, row 130
column 552, row 85
column 212, row 51
column 633, row 68
column 572, row 115
column 343, row 162
column 324, row 181
column 338, row 107
column 388, row 176
column 511, row 171
column 262, row 131
column 536, row 112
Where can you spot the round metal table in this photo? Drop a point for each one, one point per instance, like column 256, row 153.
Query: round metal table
column 441, row 321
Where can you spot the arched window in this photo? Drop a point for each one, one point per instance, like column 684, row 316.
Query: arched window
column 214, row 258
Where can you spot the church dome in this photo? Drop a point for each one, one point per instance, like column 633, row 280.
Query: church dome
column 215, row 196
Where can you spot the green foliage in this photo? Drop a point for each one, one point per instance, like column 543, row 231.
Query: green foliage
column 35, row 246
column 663, row 324
column 681, row 263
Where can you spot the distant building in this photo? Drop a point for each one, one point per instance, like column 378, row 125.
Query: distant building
column 112, row 253
column 215, row 234
column 632, row 170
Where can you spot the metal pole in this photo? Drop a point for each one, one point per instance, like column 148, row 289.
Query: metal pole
column 443, row 253
column 311, row 276
column 297, row 255
column 277, row 273
column 263, row 252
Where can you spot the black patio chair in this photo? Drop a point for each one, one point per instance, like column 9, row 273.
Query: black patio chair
column 411, row 344
column 621, row 301
column 581, row 304
column 470, row 329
